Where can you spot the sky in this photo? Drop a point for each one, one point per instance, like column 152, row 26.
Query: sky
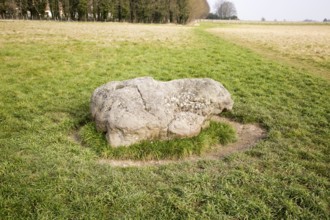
column 289, row 10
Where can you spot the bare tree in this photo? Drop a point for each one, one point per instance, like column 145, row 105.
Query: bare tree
column 198, row 9
column 226, row 10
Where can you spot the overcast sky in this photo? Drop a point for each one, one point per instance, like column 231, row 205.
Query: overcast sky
column 290, row 10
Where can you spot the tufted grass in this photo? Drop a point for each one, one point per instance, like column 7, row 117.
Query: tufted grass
column 45, row 86
column 215, row 134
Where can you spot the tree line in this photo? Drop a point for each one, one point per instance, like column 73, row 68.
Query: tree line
column 136, row 11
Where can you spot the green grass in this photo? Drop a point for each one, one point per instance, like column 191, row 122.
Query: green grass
column 215, row 134
column 44, row 94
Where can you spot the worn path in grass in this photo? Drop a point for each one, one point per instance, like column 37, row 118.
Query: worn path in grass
column 305, row 47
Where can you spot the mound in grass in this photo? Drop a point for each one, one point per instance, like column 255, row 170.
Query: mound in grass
column 215, row 134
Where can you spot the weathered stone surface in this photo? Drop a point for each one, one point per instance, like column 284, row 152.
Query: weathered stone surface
column 145, row 109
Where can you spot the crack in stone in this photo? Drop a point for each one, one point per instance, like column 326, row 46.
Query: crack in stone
column 145, row 104
column 144, row 101
column 168, row 126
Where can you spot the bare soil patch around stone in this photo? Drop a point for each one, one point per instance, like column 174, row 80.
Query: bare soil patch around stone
column 248, row 135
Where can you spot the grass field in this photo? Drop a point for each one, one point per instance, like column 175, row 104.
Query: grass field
column 48, row 71
column 304, row 46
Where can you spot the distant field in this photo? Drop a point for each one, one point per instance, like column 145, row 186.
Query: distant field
column 53, row 32
column 302, row 43
column 48, row 71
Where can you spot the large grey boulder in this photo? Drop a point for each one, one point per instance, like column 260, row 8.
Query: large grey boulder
column 145, row 109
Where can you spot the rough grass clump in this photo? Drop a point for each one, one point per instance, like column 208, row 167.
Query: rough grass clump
column 215, row 134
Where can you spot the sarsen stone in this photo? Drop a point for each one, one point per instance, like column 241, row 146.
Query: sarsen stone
column 145, row 109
